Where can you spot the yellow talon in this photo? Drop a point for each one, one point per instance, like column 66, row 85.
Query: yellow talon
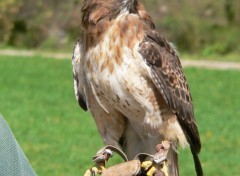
column 88, row 173
column 146, row 164
column 151, row 171
column 149, row 164
column 96, row 170
column 165, row 168
column 100, row 169
column 154, row 167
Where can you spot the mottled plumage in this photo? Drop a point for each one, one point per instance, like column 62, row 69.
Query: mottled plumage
column 132, row 81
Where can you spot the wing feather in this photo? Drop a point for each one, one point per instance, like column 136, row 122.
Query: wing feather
column 167, row 75
column 78, row 76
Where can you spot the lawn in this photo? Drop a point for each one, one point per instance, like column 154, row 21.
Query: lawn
column 37, row 100
column 233, row 57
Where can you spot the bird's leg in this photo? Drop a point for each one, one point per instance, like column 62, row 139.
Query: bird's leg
column 102, row 157
column 158, row 165
column 100, row 160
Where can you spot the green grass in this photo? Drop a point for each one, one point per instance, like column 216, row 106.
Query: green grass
column 37, row 100
column 233, row 57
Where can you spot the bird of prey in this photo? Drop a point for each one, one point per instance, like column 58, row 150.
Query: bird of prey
column 132, row 81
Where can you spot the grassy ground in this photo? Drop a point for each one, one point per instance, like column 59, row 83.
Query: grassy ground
column 233, row 57
column 37, row 100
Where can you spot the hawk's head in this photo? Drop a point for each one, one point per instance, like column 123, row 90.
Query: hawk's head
column 95, row 10
column 101, row 11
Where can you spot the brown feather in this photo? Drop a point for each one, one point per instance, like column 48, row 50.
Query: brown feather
column 140, row 9
column 167, row 75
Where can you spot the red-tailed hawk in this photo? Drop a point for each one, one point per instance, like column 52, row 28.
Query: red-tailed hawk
column 132, row 81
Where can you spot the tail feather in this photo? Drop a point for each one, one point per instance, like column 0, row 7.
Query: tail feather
column 173, row 163
column 197, row 163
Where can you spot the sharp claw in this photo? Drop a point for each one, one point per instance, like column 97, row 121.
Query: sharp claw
column 92, row 172
column 102, row 155
column 165, row 169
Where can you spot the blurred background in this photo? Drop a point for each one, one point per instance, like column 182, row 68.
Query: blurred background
column 36, row 89
column 204, row 27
